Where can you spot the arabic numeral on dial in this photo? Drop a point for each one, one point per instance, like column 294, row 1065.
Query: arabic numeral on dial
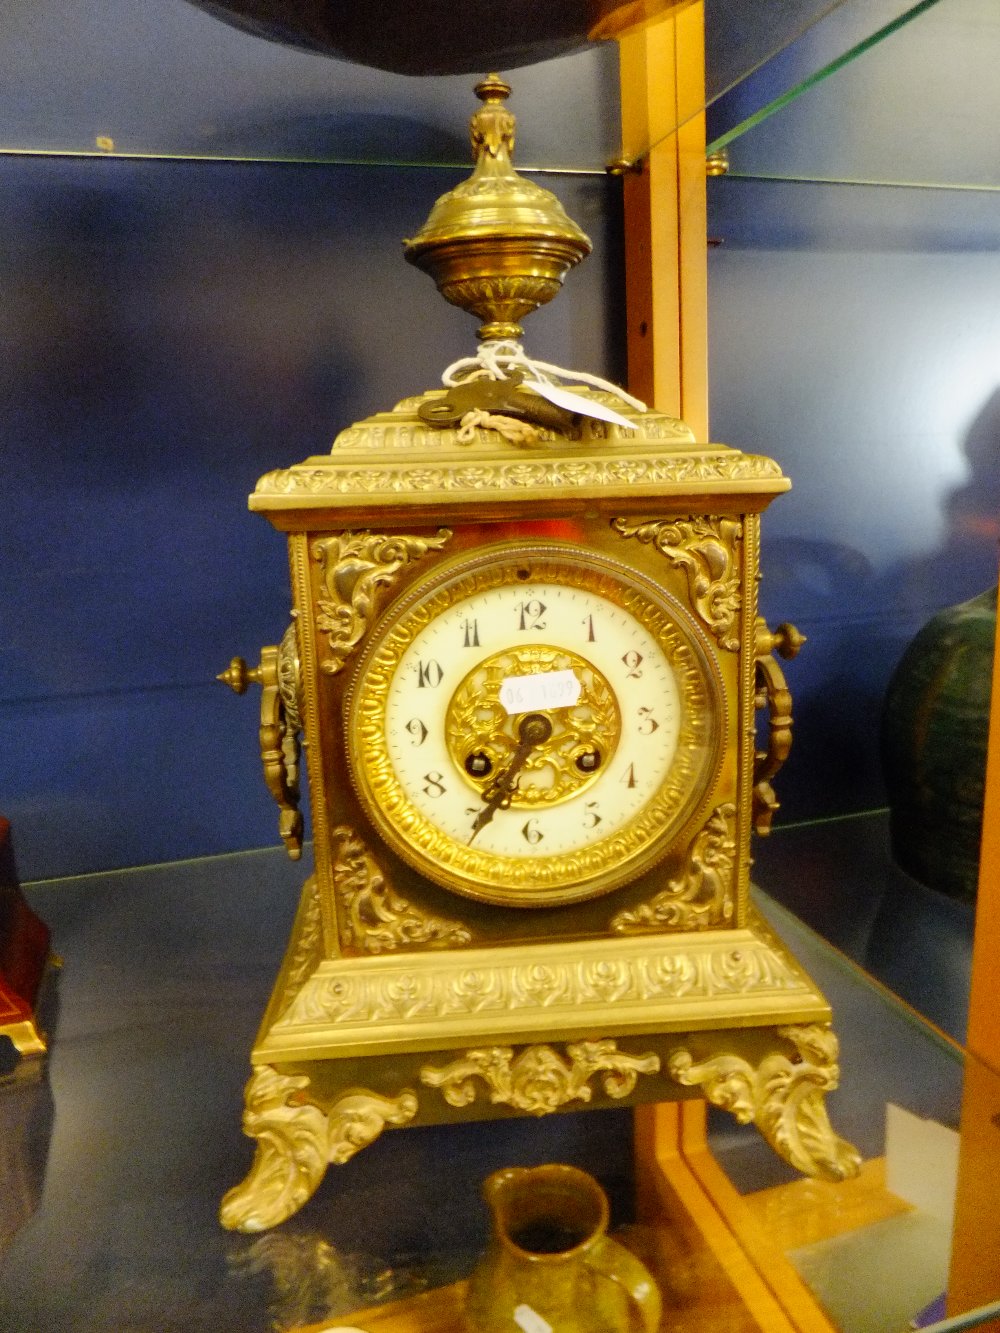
column 417, row 730
column 628, row 778
column 433, row 784
column 531, row 833
column 591, row 818
column 429, row 674
column 471, row 631
column 633, row 664
column 647, row 722
column 531, row 614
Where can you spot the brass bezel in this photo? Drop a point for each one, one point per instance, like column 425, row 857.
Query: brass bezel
column 620, row 857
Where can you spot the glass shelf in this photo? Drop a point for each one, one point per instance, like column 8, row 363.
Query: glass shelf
column 106, row 78
column 904, row 106
column 168, row 80
column 116, row 1151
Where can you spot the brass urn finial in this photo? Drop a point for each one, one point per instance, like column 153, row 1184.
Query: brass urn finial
column 492, row 126
column 497, row 245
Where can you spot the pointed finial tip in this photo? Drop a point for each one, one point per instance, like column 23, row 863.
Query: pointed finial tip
column 493, row 89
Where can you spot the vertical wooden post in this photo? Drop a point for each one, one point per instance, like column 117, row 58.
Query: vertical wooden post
column 666, row 268
column 975, row 1263
column 983, row 1037
column 666, row 274
column 666, row 281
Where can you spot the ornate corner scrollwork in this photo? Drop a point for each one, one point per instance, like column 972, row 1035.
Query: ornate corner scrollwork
column 357, row 567
column 783, row 1097
column 538, row 1081
column 376, row 918
column 295, row 1142
column 702, row 894
column 707, row 550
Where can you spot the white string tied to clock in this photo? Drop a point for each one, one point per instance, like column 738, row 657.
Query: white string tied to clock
column 497, row 358
column 512, row 429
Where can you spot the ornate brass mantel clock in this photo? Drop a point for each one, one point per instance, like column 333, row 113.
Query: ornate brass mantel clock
column 526, row 660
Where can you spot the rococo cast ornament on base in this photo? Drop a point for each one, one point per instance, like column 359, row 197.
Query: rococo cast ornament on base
column 526, row 665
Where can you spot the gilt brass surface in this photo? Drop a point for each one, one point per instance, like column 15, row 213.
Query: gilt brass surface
column 377, row 919
column 519, row 872
column 280, row 678
column 498, row 245
column 477, row 724
column 539, row 1081
column 702, row 893
column 392, row 463
column 423, row 999
column 308, row 1113
column 530, row 671
column 296, row 1141
column 773, row 693
column 358, row 570
column 782, row 1096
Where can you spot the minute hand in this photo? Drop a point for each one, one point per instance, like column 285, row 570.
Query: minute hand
column 535, row 729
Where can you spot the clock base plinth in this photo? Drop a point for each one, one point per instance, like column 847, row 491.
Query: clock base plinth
column 351, row 1046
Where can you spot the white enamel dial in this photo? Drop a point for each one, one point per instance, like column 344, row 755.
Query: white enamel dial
column 533, row 726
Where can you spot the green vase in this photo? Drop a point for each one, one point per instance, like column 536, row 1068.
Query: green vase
column 935, row 724
column 550, row 1264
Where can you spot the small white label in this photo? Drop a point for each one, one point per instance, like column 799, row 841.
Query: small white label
column 575, row 402
column 545, row 689
column 530, row 1320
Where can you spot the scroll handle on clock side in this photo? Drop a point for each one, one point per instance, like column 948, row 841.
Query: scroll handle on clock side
column 772, row 692
column 280, row 724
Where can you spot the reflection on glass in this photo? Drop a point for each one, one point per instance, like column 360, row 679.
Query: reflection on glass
column 309, row 1279
column 26, row 1118
column 905, row 105
column 102, row 77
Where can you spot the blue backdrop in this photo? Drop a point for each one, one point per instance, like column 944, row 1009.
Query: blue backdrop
column 170, row 331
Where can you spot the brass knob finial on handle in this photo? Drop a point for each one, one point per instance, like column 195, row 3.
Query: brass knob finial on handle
column 238, row 675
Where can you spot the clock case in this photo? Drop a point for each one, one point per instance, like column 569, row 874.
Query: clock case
column 400, row 1003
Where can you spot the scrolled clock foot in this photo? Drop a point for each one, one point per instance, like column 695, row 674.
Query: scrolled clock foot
column 783, row 1096
column 296, row 1140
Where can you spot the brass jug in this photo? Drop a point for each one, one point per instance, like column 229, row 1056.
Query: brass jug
column 550, row 1266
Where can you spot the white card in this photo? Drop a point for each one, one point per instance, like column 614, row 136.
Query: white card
column 575, row 402
column 545, row 689
column 921, row 1161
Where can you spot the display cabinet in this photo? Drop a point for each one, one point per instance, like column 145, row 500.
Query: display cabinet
column 131, row 1126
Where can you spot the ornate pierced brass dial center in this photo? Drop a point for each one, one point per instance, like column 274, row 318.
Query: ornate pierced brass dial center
column 483, row 737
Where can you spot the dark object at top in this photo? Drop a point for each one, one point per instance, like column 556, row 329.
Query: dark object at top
column 436, row 36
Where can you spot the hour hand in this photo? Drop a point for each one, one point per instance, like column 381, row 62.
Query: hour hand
column 534, row 729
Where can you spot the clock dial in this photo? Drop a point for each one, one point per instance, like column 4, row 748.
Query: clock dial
column 533, row 726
